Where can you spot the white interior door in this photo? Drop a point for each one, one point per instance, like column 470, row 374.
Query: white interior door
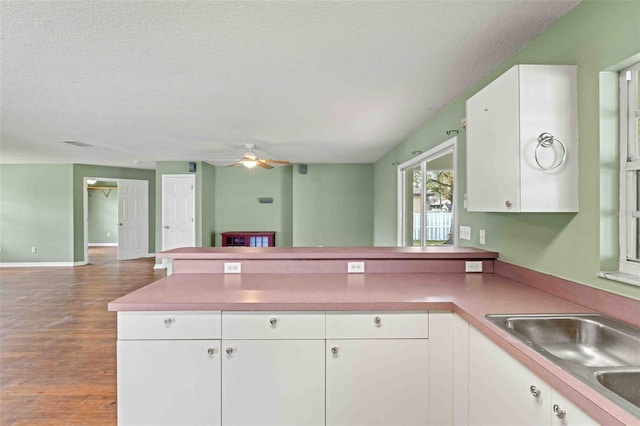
column 178, row 211
column 133, row 219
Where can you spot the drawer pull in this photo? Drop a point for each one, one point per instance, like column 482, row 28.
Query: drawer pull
column 334, row 350
column 534, row 391
column 229, row 350
column 559, row 412
column 211, row 351
column 377, row 321
column 273, row 321
column 169, row 320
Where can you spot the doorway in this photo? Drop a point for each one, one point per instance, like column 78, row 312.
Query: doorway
column 132, row 220
column 178, row 211
column 427, row 212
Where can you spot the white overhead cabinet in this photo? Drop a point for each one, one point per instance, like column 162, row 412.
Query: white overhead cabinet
column 522, row 142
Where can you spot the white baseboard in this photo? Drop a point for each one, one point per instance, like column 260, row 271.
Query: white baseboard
column 103, row 244
column 39, row 264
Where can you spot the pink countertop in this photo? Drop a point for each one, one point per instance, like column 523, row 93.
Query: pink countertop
column 469, row 295
column 323, row 253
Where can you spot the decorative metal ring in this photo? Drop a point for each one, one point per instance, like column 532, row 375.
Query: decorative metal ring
column 546, row 140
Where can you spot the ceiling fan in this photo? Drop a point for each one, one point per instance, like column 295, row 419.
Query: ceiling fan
column 251, row 160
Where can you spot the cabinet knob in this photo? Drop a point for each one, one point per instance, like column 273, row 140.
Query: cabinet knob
column 334, row 350
column 534, row 391
column 229, row 350
column 211, row 351
column 507, row 203
column 273, row 321
column 377, row 320
column 559, row 412
column 169, row 320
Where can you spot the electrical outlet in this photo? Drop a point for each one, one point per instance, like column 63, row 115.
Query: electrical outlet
column 482, row 237
column 465, row 232
column 355, row 267
column 33, row 249
column 108, row 234
column 473, row 266
column 232, row 267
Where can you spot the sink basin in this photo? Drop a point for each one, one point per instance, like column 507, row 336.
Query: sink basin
column 588, row 340
column 624, row 383
column 602, row 352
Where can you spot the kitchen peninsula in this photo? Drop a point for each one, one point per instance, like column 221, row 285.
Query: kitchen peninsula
column 351, row 334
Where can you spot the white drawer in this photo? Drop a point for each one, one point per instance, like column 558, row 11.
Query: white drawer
column 377, row 325
column 273, row 325
column 168, row 325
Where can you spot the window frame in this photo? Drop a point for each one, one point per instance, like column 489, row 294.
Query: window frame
column 444, row 148
column 629, row 163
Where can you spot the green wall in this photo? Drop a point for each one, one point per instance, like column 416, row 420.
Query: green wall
column 36, row 210
column 597, row 36
column 103, row 216
column 237, row 190
column 333, row 205
column 208, row 205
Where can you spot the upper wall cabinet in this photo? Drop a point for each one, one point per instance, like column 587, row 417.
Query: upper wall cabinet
column 522, row 142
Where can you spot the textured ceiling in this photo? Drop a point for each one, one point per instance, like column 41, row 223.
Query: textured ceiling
column 312, row 82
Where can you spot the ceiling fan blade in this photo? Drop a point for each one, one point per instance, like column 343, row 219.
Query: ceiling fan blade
column 233, row 164
column 264, row 165
column 284, row 163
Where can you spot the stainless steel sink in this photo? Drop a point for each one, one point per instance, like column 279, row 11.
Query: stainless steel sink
column 602, row 352
column 590, row 340
column 624, row 383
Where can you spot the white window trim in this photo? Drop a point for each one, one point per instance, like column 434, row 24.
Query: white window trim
column 629, row 271
column 448, row 146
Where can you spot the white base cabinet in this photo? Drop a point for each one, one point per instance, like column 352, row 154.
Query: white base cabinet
column 273, row 382
column 504, row 392
column 168, row 368
column 377, row 382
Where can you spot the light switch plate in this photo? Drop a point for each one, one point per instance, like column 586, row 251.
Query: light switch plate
column 465, row 232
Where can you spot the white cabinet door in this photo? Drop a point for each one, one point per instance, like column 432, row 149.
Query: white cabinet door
column 568, row 414
column 377, row 382
column 168, row 382
column 273, row 382
column 500, row 390
column 507, row 169
column 493, row 149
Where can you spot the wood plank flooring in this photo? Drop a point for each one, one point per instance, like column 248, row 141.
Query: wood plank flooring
column 58, row 341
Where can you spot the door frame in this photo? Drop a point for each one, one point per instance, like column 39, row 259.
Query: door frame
column 85, row 211
column 162, row 223
column 443, row 148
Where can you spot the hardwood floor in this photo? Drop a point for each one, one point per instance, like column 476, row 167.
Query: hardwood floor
column 58, row 341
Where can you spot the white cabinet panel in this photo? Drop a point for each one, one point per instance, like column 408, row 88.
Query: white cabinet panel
column 168, row 382
column 168, row 325
column 500, row 388
column 377, row 325
column 377, row 382
column 273, row 382
column 273, row 325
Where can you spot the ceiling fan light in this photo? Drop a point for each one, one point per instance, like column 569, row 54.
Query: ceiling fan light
column 249, row 164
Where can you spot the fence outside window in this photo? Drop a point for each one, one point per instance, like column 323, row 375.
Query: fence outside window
column 438, row 225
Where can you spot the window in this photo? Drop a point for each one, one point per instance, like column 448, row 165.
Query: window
column 629, row 171
column 426, row 195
